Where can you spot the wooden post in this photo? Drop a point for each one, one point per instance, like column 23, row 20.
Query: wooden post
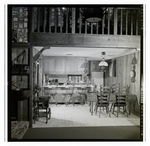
column 73, row 20
column 115, row 21
column 103, row 24
column 31, row 87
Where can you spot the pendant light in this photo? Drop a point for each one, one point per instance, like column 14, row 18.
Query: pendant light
column 103, row 63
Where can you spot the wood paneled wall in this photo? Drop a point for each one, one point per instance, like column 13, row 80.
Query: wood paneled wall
column 123, row 68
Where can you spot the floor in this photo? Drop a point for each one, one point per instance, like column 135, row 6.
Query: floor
column 79, row 116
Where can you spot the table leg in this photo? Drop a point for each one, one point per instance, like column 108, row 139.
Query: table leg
column 91, row 107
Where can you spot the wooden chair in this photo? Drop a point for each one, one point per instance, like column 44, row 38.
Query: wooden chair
column 69, row 92
column 42, row 108
column 53, row 92
column 102, row 101
column 120, row 103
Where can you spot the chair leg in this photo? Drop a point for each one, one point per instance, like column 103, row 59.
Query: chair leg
column 117, row 111
column 99, row 112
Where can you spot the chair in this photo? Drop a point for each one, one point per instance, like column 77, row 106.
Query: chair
column 115, row 89
column 41, row 105
column 83, row 96
column 102, row 101
column 120, row 102
column 69, row 92
column 53, row 92
column 104, row 90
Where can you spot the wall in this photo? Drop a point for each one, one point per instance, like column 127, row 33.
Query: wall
column 123, row 68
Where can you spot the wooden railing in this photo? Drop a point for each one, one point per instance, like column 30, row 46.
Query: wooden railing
column 116, row 21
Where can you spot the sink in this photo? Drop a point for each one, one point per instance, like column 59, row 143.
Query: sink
column 20, row 94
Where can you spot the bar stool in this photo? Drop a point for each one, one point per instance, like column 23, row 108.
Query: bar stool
column 52, row 93
column 69, row 92
column 83, row 94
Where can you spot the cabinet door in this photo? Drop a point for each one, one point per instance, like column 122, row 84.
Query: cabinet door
column 82, row 65
column 71, row 65
column 49, row 65
column 94, row 66
column 59, row 65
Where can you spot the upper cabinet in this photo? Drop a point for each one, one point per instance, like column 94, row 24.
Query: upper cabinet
column 71, row 65
column 64, row 65
column 60, row 65
column 49, row 65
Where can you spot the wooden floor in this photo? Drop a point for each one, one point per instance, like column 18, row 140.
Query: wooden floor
column 79, row 116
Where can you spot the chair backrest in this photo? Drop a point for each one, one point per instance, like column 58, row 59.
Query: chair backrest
column 103, row 99
column 125, row 90
column 104, row 90
column 121, row 99
column 115, row 88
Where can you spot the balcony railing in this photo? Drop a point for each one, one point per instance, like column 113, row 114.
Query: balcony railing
column 116, row 21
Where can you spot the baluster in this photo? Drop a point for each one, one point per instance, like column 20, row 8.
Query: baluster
column 115, row 21
column 50, row 15
column 91, row 28
column 80, row 22
column 73, row 20
column 55, row 19
column 85, row 27
column 137, row 22
column 131, row 14
column 121, row 23
column 97, row 28
column 108, row 21
column 38, row 28
column 61, row 20
column 67, row 21
column 103, row 24
column 126, row 22
column 44, row 25
column 33, row 15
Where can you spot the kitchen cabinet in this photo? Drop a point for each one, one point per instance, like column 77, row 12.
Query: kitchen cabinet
column 49, row 65
column 71, row 65
column 59, row 65
column 81, row 65
column 94, row 66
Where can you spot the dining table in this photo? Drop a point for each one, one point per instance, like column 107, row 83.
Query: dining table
column 92, row 98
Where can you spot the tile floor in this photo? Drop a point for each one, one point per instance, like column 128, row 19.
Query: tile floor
column 79, row 116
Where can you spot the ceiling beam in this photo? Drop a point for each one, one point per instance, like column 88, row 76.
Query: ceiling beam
column 84, row 40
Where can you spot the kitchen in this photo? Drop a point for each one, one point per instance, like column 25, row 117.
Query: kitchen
column 69, row 57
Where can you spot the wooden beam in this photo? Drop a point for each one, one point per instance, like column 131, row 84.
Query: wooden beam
column 82, row 40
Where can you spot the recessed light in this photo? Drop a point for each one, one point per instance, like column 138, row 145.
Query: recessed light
column 69, row 54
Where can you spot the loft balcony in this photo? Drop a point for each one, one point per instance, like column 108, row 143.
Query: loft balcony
column 67, row 26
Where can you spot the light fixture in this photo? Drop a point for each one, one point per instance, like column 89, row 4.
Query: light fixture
column 103, row 63
column 93, row 15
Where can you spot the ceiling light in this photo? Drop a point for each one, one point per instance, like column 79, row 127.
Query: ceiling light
column 69, row 54
column 103, row 62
